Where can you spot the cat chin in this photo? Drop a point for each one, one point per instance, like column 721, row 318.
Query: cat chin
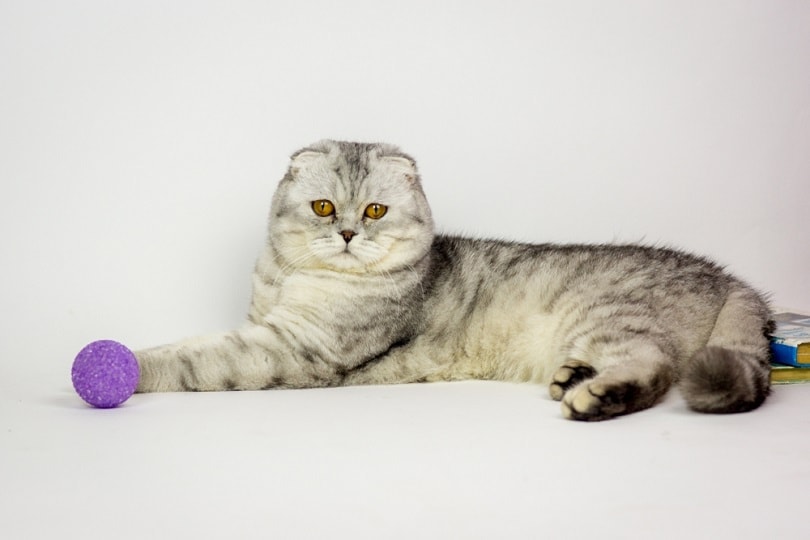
column 365, row 257
column 345, row 261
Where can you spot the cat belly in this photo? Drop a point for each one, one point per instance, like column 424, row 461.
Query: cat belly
column 507, row 346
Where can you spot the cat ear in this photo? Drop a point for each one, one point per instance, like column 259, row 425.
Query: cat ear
column 302, row 159
column 404, row 166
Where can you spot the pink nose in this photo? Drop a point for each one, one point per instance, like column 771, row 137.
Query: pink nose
column 347, row 235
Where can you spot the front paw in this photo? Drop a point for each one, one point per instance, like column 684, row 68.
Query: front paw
column 599, row 400
column 567, row 376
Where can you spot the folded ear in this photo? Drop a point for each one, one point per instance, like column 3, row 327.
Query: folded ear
column 302, row 159
column 403, row 165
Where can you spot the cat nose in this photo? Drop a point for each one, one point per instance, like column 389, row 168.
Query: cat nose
column 347, row 235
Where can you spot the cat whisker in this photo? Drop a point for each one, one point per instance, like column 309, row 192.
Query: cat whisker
column 305, row 256
column 418, row 278
column 392, row 284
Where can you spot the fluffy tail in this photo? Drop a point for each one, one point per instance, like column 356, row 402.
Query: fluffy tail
column 732, row 373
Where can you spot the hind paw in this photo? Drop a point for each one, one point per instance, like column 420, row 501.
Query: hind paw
column 570, row 374
column 599, row 400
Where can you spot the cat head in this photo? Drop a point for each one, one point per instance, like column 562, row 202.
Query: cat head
column 350, row 207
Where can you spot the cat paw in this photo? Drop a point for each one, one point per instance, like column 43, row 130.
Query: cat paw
column 570, row 374
column 599, row 400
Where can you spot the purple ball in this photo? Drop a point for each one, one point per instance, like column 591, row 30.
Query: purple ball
column 105, row 373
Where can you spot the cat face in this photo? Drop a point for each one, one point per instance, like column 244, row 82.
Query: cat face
column 351, row 207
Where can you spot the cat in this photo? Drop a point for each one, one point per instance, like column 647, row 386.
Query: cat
column 354, row 287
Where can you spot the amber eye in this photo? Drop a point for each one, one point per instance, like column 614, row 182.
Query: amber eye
column 323, row 208
column 376, row 211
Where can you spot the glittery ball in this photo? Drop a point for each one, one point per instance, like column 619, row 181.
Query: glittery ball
column 105, row 374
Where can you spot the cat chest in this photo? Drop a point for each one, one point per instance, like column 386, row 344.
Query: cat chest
column 327, row 297
column 339, row 316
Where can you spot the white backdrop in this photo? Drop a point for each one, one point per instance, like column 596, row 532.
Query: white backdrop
column 140, row 142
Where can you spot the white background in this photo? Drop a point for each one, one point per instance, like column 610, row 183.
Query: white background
column 140, row 143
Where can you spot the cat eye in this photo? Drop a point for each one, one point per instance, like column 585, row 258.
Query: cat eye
column 376, row 210
column 323, row 208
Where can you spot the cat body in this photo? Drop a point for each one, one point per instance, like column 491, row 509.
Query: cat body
column 354, row 287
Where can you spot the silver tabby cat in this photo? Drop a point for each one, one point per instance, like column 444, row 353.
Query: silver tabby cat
column 353, row 287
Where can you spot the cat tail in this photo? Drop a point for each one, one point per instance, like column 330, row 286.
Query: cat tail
column 732, row 372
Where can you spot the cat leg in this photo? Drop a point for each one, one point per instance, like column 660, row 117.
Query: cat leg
column 252, row 358
column 732, row 372
column 399, row 365
column 635, row 376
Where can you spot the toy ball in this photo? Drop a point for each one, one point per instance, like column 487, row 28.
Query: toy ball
column 105, row 374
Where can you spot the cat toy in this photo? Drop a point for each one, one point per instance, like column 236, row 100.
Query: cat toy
column 105, row 374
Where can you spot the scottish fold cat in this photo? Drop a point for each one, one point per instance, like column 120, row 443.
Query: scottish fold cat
column 354, row 287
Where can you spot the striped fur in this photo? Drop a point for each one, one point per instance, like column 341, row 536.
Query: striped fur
column 609, row 328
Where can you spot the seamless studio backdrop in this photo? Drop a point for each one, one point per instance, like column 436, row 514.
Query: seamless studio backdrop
column 140, row 143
